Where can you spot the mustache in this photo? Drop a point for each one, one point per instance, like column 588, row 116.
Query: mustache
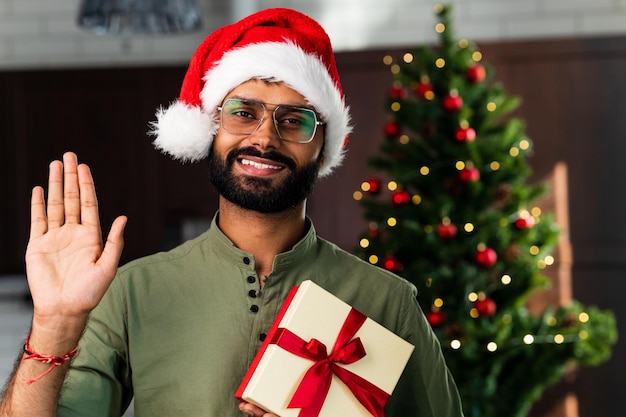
column 271, row 155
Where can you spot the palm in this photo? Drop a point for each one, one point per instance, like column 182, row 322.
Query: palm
column 68, row 267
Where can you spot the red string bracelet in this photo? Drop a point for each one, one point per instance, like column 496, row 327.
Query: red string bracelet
column 54, row 361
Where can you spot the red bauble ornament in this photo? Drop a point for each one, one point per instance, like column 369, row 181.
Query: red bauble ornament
column 446, row 231
column 391, row 263
column 424, row 89
column 400, row 197
column 465, row 134
column 373, row 185
column 469, row 174
column 485, row 307
column 452, row 102
column 476, row 73
column 436, row 318
column 486, row 257
column 398, row 92
column 392, row 130
column 373, row 231
column 524, row 223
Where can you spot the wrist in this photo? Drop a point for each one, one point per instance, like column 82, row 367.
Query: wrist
column 56, row 336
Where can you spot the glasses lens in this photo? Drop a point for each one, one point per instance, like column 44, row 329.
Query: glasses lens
column 240, row 116
column 295, row 123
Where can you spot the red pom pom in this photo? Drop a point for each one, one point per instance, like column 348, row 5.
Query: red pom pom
column 446, row 231
column 486, row 307
column 452, row 102
column 465, row 134
column 486, row 258
column 392, row 129
column 476, row 73
column 469, row 174
column 400, row 197
column 436, row 318
column 424, row 90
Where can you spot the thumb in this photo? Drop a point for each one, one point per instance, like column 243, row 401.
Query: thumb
column 110, row 257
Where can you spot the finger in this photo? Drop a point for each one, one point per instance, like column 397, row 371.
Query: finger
column 38, row 220
column 110, row 257
column 56, row 213
column 71, row 190
column 88, row 199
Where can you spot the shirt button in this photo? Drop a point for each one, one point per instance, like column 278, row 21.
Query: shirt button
column 246, row 260
column 254, row 308
column 262, row 336
column 251, row 279
column 252, row 293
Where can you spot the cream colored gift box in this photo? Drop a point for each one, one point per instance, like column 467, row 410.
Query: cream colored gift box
column 311, row 312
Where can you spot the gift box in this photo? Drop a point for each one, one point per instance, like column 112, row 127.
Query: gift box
column 323, row 358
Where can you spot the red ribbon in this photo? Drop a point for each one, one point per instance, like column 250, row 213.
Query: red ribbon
column 315, row 384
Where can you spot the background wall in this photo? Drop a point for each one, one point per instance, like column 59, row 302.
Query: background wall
column 43, row 34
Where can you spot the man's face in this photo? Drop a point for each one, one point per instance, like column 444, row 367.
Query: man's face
column 260, row 171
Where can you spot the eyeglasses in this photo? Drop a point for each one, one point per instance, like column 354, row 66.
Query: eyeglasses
column 293, row 124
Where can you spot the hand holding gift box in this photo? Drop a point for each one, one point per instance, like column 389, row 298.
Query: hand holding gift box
column 294, row 374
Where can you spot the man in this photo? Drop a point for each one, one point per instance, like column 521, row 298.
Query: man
column 177, row 331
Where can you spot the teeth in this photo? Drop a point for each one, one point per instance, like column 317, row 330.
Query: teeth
column 258, row 165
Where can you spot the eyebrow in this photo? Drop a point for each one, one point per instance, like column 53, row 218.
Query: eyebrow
column 294, row 104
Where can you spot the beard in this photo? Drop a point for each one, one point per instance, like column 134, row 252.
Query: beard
column 262, row 194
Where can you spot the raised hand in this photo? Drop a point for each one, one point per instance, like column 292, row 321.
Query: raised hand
column 68, row 267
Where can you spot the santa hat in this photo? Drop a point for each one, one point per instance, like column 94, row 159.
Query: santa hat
column 274, row 44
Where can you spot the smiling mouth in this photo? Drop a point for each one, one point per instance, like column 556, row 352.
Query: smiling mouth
column 259, row 165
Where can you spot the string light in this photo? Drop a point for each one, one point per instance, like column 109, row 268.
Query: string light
column 477, row 56
column 463, row 43
column 440, row 28
column 529, row 339
column 395, row 106
column 357, row 195
column 392, row 185
column 492, row 346
column 506, row 279
column 387, row 60
column 391, row 222
column 440, row 62
column 468, row 227
column 455, row 344
column 424, row 170
column 364, row 243
column 495, row 165
column 583, row 317
column 395, row 69
column 558, row 339
column 373, row 259
column 408, row 58
column 416, row 199
column 491, row 106
column 514, row 151
column 524, row 144
column 534, row 250
column 472, row 297
column 460, row 165
column 404, row 139
column 438, row 302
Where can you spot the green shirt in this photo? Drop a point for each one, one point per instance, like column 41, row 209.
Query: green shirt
column 177, row 330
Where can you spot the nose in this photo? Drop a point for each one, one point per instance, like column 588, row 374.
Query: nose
column 266, row 136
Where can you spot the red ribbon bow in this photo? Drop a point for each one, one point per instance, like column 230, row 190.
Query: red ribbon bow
column 315, row 384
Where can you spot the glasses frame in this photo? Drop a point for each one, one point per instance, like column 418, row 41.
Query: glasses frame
column 262, row 119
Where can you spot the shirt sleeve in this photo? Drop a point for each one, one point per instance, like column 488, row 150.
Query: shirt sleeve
column 98, row 383
column 426, row 387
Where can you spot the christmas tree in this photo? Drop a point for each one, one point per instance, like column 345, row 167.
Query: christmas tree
column 450, row 208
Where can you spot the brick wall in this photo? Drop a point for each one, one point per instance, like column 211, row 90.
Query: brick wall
column 43, row 33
